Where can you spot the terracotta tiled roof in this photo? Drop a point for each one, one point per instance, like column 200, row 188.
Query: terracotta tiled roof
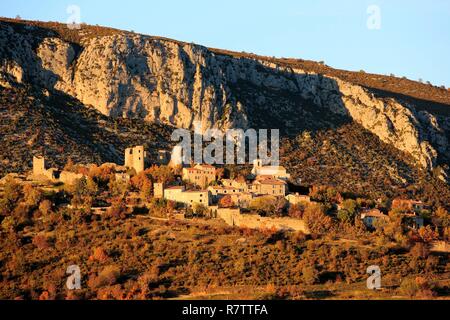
column 175, row 188
column 271, row 181
column 374, row 213
column 223, row 188
column 205, row 166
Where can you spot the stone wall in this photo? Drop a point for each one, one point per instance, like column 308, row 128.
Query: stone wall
column 233, row 217
column 69, row 178
column 440, row 246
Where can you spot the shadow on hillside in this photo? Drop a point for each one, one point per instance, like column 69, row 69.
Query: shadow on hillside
column 319, row 294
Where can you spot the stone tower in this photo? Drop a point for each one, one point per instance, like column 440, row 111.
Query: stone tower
column 135, row 158
column 38, row 166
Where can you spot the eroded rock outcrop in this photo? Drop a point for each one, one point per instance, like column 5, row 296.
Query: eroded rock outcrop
column 129, row 75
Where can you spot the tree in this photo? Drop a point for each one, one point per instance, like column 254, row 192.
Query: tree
column 310, row 275
column 268, row 205
column 393, row 228
column 83, row 191
column 117, row 210
column 348, row 212
column 296, row 211
column 345, row 216
column 200, row 209
column 9, row 223
column 32, row 196
column 226, row 202
column 11, row 195
column 441, row 217
column 117, row 188
column 316, row 219
column 419, row 250
column 162, row 174
column 70, row 166
column 147, row 190
column 427, row 234
column 45, row 207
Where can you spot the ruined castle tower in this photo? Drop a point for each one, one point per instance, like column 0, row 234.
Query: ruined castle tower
column 134, row 158
column 38, row 166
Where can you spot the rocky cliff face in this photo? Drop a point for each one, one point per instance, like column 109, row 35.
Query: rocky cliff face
column 129, row 75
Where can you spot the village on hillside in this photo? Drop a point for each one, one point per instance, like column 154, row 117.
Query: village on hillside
column 259, row 200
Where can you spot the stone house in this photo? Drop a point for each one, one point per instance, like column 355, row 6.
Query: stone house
column 218, row 192
column 370, row 216
column 242, row 199
column 295, row 198
column 273, row 187
column 409, row 205
column 201, row 175
column 189, row 198
column 69, row 178
column 135, row 158
column 413, row 220
column 235, row 184
column 277, row 172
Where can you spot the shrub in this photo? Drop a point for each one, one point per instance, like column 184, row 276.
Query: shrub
column 268, row 206
column 107, row 277
column 296, row 211
column 416, row 287
column 310, row 275
column 226, row 202
column 11, row 195
column 316, row 219
column 99, row 255
column 200, row 209
column 9, row 223
column 45, row 207
column 41, row 241
column 32, row 196
column 419, row 250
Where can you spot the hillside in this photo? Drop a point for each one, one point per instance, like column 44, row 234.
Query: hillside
column 351, row 143
column 61, row 128
column 386, row 135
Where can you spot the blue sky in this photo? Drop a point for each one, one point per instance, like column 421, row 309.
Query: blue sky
column 413, row 39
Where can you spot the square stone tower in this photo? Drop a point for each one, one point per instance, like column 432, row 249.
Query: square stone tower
column 135, row 158
column 38, row 166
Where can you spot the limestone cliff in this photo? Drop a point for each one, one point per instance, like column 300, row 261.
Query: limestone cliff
column 160, row 80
